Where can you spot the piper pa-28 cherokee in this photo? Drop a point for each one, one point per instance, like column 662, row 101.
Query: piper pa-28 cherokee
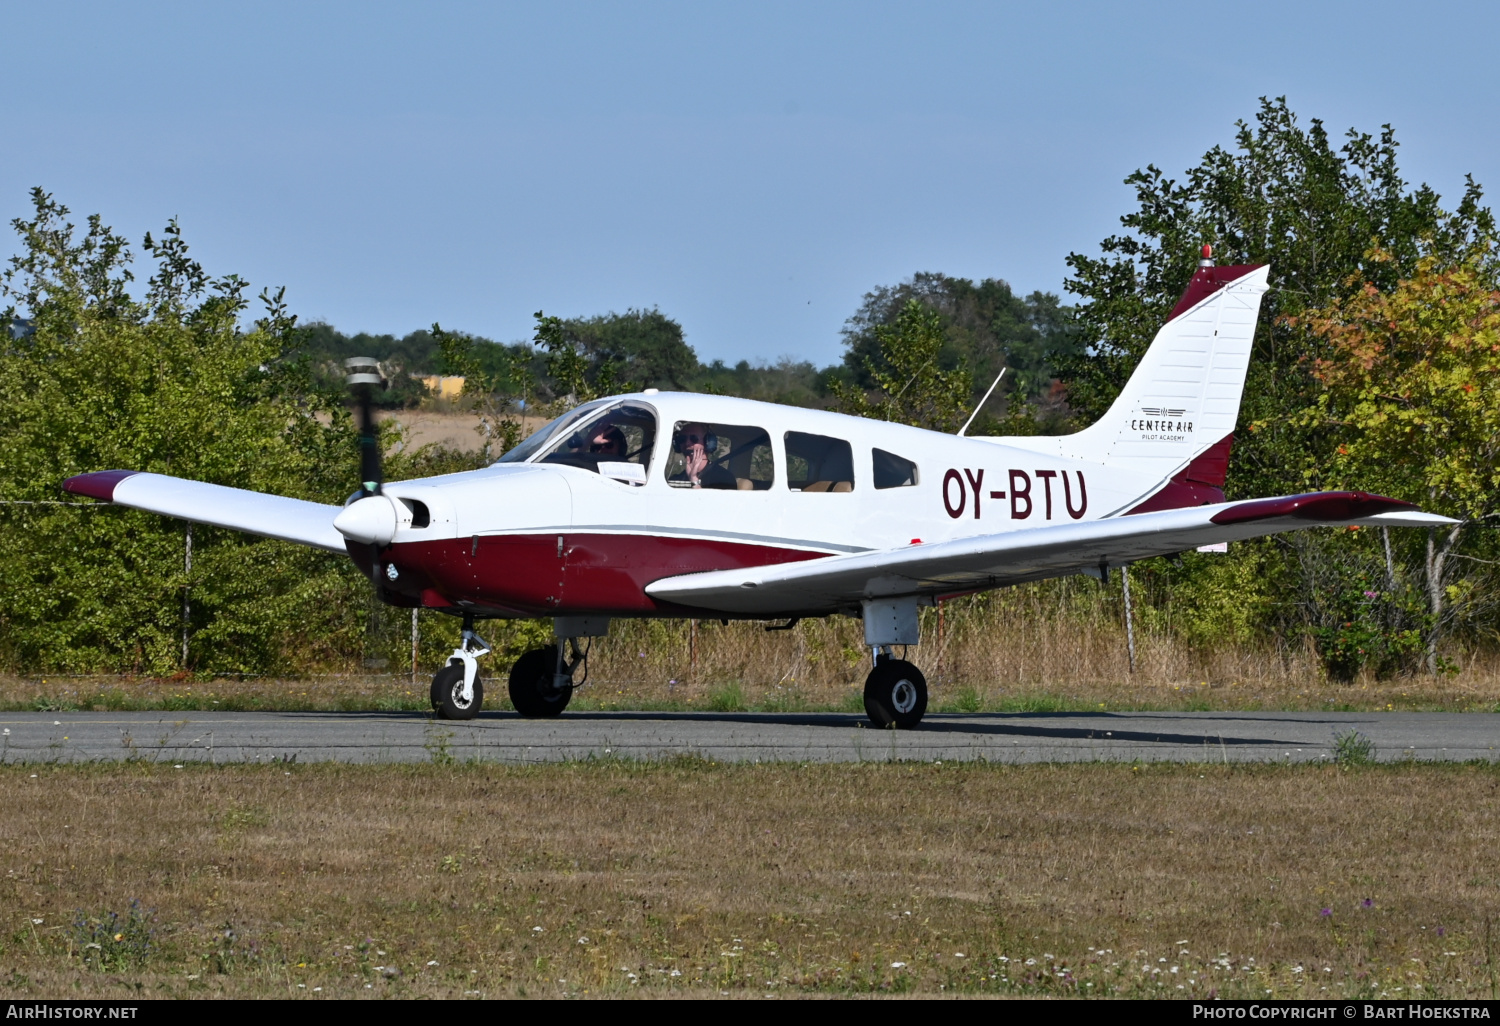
column 665, row 504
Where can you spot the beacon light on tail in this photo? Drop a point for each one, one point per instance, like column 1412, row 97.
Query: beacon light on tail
column 663, row 504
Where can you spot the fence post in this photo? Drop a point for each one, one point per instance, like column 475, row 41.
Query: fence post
column 414, row 637
column 940, row 649
column 1129, row 625
column 187, row 609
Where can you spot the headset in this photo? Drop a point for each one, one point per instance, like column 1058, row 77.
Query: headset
column 710, row 442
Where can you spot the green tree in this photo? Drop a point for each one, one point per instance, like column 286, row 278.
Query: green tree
column 912, row 388
column 1284, row 196
column 1314, row 210
column 1410, row 381
column 641, row 348
column 986, row 327
column 568, row 365
column 170, row 383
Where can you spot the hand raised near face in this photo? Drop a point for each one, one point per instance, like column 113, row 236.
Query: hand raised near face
column 695, row 461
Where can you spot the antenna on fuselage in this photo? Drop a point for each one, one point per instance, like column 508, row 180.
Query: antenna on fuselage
column 982, row 401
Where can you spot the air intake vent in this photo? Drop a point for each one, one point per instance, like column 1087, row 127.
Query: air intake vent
column 419, row 515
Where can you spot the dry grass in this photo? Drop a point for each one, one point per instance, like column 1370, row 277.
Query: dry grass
column 1059, row 647
column 692, row 878
column 1003, row 660
column 448, row 425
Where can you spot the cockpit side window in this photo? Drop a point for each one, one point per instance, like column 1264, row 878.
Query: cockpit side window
column 818, row 463
column 892, row 471
column 732, row 457
column 615, row 443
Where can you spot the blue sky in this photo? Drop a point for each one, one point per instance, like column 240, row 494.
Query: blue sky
column 751, row 169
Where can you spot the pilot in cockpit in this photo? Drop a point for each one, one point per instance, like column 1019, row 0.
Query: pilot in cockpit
column 606, row 440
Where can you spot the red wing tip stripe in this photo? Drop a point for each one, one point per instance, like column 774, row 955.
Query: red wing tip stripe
column 1322, row 506
column 99, row 485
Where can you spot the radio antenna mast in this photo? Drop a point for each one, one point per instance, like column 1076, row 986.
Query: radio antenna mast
column 982, row 401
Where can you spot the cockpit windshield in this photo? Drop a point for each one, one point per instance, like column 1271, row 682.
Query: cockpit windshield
column 615, row 442
column 535, row 441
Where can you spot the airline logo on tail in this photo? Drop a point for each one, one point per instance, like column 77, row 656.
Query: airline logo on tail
column 1161, row 425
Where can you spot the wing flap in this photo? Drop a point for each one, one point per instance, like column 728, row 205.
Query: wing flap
column 273, row 516
column 989, row 561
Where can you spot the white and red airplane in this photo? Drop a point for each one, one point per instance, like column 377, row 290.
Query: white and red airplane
column 668, row 504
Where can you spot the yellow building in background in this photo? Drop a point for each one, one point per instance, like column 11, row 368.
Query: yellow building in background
column 442, row 386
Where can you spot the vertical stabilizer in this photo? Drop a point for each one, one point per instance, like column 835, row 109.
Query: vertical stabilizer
column 1184, row 397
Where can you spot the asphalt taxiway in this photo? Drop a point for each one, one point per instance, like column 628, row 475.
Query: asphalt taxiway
column 376, row 737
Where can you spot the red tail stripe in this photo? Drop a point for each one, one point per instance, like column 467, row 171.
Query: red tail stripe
column 1208, row 280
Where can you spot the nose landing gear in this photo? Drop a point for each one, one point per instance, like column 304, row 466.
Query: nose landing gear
column 457, row 691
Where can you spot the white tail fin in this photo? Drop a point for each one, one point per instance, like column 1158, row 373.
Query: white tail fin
column 1184, row 396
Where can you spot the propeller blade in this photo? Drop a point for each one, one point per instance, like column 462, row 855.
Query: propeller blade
column 364, row 377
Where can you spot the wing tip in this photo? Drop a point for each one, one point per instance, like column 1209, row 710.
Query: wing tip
column 100, row 484
column 1329, row 507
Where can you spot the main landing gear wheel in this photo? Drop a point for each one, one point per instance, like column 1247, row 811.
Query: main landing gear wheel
column 895, row 694
column 448, row 694
column 533, row 684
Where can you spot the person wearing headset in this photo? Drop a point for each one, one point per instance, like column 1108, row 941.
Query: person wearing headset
column 697, row 444
column 606, row 440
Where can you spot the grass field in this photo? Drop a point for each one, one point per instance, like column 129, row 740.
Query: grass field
column 690, row 878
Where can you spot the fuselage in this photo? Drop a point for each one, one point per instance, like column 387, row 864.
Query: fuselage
column 566, row 534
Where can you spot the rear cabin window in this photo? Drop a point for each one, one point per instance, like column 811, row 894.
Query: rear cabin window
column 892, row 471
column 729, row 457
column 818, row 463
column 614, row 443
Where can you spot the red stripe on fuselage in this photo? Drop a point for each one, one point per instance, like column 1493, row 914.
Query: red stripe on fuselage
column 535, row 575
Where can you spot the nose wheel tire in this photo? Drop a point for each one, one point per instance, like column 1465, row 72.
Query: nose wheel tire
column 533, row 689
column 447, row 694
column 895, row 694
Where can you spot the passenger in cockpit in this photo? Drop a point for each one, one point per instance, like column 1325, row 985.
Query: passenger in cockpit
column 697, row 444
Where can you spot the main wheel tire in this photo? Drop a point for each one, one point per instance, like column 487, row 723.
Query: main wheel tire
column 532, row 690
column 447, row 694
column 896, row 694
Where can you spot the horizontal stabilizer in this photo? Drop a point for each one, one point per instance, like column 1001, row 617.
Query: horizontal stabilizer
column 274, row 516
column 971, row 564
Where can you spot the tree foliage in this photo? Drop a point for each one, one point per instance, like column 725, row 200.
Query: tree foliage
column 985, row 327
column 638, row 349
column 1286, row 196
column 1411, row 396
column 1343, row 234
column 170, row 383
column 911, row 385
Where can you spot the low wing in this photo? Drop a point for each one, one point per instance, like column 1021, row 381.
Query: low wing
column 274, row 516
column 990, row 561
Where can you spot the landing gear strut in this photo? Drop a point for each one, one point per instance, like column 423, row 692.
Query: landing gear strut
column 457, row 691
column 895, row 693
column 541, row 682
